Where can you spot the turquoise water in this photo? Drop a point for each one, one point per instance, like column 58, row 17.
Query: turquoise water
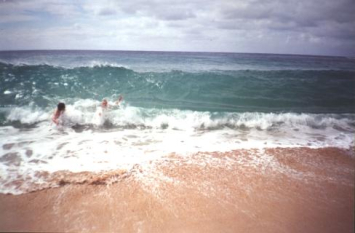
column 179, row 103
column 196, row 81
column 225, row 86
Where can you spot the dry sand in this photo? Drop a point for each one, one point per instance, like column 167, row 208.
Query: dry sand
column 276, row 190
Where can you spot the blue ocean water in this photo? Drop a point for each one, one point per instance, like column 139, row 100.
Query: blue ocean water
column 193, row 81
column 174, row 102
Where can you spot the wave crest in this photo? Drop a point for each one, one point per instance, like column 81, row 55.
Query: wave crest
column 86, row 112
column 91, row 64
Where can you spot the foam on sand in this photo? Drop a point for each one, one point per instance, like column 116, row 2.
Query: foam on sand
column 271, row 190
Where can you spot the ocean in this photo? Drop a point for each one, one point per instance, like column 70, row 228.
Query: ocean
column 180, row 103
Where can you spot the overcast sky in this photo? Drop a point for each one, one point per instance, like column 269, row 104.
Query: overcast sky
column 322, row 27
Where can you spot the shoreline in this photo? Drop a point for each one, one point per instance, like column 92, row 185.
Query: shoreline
column 274, row 190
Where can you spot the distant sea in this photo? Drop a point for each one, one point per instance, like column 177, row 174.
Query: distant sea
column 174, row 102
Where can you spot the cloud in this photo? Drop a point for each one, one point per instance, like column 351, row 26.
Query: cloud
column 107, row 11
column 163, row 10
column 281, row 26
column 12, row 18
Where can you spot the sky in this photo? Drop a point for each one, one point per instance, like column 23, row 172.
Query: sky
column 317, row 27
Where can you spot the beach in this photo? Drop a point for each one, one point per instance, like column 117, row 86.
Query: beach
column 254, row 190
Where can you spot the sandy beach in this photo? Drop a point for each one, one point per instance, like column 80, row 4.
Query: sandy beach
column 271, row 190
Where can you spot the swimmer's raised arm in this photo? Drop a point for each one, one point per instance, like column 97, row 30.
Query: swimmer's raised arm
column 119, row 100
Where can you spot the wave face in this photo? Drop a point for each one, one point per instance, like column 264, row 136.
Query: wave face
column 311, row 91
column 178, row 103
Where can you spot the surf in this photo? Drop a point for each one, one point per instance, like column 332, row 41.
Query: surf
column 174, row 104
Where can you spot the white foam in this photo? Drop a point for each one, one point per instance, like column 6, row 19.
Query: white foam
column 18, row 96
column 143, row 135
column 66, row 65
column 278, row 125
column 102, row 64
column 27, row 115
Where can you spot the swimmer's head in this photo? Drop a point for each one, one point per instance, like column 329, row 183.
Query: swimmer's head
column 61, row 107
column 104, row 103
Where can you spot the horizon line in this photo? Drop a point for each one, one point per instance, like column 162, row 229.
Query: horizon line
column 172, row 51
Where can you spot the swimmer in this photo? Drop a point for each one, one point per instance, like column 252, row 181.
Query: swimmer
column 105, row 106
column 58, row 113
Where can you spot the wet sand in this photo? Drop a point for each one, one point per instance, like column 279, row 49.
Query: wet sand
column 274, row 190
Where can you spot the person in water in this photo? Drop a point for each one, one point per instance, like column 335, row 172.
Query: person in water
column 105, row 105
column 58, row 113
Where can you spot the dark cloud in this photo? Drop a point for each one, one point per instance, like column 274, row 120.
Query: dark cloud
column 107, row 11
column 296, row 13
